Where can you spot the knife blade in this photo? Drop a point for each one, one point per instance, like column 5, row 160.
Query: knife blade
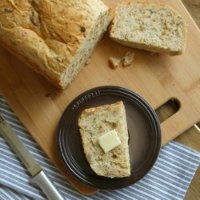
column 39, row 178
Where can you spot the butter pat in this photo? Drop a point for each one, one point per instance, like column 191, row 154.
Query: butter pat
column 109, row 141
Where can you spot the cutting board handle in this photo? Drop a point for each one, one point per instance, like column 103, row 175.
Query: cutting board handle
column 174, row 126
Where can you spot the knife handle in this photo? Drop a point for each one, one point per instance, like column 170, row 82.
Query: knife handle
column 46, row 185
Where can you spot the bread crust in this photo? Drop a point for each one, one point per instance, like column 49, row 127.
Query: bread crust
column 48, row 34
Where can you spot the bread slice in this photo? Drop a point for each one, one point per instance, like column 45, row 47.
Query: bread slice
column 148, row 26
column 93, row 123
column 55, row 38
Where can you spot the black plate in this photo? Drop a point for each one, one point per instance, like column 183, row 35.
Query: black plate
column 144, row 136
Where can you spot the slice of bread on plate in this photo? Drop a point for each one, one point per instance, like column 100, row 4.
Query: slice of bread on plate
column 152, row 27
column 97, row 123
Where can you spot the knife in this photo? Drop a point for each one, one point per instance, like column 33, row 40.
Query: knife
column 39, row 178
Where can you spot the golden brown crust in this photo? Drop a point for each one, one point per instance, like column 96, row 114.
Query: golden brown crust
column 47, row 33
column 31, row 65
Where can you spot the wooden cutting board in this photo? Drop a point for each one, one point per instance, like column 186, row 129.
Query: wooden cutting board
column 157, row 78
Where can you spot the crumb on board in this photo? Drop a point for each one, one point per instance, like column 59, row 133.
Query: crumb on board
column 114, row 62
column 123, row 61
column 128, row 58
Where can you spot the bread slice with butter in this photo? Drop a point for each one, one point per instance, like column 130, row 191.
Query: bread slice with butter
column 104, row 137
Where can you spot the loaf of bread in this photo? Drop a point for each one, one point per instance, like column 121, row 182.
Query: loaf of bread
column 151, row 27
column 55, row 38
column 95, row 122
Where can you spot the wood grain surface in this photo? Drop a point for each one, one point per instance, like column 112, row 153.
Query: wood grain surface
column 39, row 101
column 191, row 137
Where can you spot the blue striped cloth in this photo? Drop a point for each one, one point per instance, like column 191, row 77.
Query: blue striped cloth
column 169, row 178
